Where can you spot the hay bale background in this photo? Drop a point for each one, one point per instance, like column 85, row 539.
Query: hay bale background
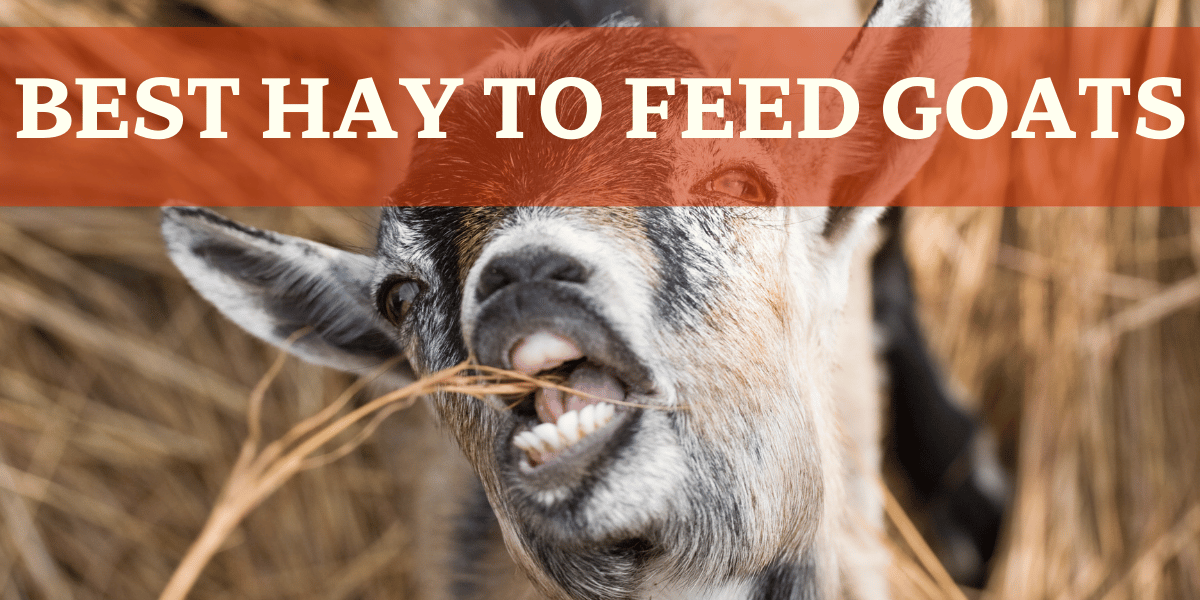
column 1076, row 332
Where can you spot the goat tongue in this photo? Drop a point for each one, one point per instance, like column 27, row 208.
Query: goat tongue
column 552, row 403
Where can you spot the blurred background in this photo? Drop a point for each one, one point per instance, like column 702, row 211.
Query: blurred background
column 1074, row 332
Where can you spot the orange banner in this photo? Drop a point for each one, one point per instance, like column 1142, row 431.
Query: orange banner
column 303, row 117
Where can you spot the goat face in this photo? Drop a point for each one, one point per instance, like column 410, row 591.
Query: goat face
column 683, row 317
column 706, row 453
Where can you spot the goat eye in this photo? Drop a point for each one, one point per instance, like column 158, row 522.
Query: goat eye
column 399, row 300
column 739, row 184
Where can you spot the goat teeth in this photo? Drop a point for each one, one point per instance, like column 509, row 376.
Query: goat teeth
column 587, row 419
column 523, row 442
column 604, row 413
column 568, row 427
column 546, row 439
column 548, row 432
column 528, row 441
column 534, row 442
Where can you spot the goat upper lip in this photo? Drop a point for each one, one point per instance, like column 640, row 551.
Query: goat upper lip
column 513, row 315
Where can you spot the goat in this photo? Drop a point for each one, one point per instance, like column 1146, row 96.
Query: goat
column 738, row 453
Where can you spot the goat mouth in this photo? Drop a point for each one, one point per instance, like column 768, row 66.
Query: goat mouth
column 561, row 430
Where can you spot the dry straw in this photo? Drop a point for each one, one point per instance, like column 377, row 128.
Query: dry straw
column 260, row 472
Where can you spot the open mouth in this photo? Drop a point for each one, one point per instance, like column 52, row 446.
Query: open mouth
column 560, row 425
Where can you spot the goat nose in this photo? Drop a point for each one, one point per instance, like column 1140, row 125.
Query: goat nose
column 528, row 266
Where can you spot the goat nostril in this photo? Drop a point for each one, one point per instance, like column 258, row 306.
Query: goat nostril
column 491, row 281
column 528, row 266
column 568, row 270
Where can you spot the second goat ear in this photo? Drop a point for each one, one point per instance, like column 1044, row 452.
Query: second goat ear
column 870, row 164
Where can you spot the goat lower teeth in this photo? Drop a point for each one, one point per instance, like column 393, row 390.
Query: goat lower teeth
column 548, row 432
column 527, row 441
column 587, row 419
column 568, row 427
column 572, row 426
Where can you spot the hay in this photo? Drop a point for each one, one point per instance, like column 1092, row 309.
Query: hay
column 1094, row 387
column 117, row 434
column 259, row 472
column 122, row 395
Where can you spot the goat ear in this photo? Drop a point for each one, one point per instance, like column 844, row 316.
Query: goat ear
column 870, row 164
column 274, row 285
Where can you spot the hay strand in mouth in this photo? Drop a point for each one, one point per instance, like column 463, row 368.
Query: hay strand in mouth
column 522, row 380
column 259, row 471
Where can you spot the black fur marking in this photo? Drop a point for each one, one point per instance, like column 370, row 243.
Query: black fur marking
column 686, row 281
column 786, row 580
column 216, row 219
column 442, row 234
column 968, row 511
column 186, row 14
column 929, row 430
column 296, row 299
column 930, row 435
column 580, row 13
column 240, row 262
column 609, row 572
column 837, row 219
column 917, row 18
column 874, row 10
